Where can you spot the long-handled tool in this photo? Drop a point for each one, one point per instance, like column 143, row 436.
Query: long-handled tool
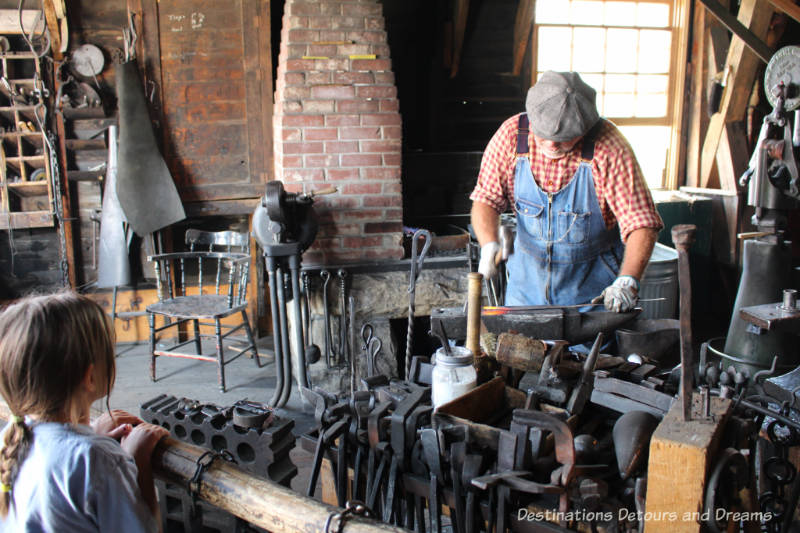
column 683, row 237
column 416, row 267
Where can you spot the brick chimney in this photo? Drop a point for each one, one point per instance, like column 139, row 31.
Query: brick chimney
column 337, row 122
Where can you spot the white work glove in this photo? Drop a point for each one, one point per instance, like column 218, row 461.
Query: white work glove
column 620, row 296
column 488, row 264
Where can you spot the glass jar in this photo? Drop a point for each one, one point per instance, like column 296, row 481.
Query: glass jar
column 452, row 375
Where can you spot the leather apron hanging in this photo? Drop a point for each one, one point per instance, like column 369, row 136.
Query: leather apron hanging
column 563, row 252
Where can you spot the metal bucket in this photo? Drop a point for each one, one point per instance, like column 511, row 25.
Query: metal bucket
column 660, row 280
column 655, row 338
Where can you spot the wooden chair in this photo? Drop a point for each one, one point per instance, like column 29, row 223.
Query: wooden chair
column 180, row 276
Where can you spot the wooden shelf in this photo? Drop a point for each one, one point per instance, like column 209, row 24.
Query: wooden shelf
column 29, row 188
column 27, row 219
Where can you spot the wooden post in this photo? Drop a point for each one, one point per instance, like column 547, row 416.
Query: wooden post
column 681, row 456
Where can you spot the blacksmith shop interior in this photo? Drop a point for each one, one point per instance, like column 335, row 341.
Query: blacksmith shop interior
column 391, row 265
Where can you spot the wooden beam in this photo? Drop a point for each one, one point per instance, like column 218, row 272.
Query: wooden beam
column 523, row 25
column 55, row 29
column 788, row 7
column 681, row 456
column 733, row 156
column 742, row 65
column 763, row 51
column 460, row 13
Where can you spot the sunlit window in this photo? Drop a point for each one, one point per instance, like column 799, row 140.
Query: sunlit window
column 623, row 50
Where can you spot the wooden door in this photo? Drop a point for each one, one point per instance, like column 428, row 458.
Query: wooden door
column 208, row 63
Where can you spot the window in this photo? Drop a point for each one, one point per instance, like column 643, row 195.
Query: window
column 625, row 51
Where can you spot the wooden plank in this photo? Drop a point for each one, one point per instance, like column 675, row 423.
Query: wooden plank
column 788, row 7
column 742, row 64
column 681, row 455
column 698, row 120
column 9, row 20
column 53, row 26
column 523, row 26
column 733, row 156
column 676, row 156
column 66, row 206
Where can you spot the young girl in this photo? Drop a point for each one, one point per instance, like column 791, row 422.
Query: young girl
column 56, row 472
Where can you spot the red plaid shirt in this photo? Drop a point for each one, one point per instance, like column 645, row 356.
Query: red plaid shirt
column 621, row 190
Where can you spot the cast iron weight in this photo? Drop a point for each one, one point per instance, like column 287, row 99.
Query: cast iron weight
column 683, row 237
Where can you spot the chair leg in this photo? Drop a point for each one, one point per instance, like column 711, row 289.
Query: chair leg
column 220, row 361
column 197, row 342
column 251, row 339
column 152, row 319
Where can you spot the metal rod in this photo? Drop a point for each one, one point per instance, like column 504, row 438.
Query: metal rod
column 286, row 352
column 276, row 331
column 294, row 268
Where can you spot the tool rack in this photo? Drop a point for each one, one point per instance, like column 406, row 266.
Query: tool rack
column 25, row 177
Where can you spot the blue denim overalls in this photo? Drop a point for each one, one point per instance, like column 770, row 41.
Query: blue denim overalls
column 563, row 253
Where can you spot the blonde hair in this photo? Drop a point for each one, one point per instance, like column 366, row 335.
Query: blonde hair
column 47, row 344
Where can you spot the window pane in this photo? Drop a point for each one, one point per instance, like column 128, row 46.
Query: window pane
column 650, row 144
column 620, row 83
column 554, row 49
column 652, row 84
column 621, row 51
column 586, row 13
column 651, row 105
column 620, row 14
column 654, row 51
column 653, row 15
column 589, row 47
column 618, row 105
column 552, row 11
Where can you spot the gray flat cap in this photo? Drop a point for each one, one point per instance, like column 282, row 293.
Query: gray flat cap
column 561, row 106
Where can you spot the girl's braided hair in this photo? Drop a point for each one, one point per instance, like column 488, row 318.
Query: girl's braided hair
column 46, row 346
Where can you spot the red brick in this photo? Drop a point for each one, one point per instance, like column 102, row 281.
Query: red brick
column 341, row 147
column 291, row 134
column 376, row 91
column 393, row 188
column 381, row 146
column 374, row 23
column 302, row 147
column 355, row 214
column 320, row 134
column 380, row 119
column 322, row 50
column 340, row 174
column 318, row 78
column 303, row 120
column 353, row 78
column 366, row 36
column 389, row 105
column 361, row 160
column 313, row 257
column 302, row 8
column 394, row 253
column 332, row 64
column 296, row 50
column 353, row 49
column 331, row 35
column 342, row 120
column 334, row 92
column 348, row 23
column 318, row 106
column 384, row 78
column 331, row 8
column 392, row 132
column 394, row 160
column 357, row 106
column 365, row 9
column 353, row 132
column 299, row 65
column 382, row 227
column 295, row 21
column 292, row 160
column 375, row 65
column 296, row 92
column 303, row 174
column 292, row 106
column 393, row 214
column 303, row 36
column 322, row 161
column 362, row 188
column 381, row 173
column 383, row 201
column 362, row 242
column 320, row 23
column 294, row 78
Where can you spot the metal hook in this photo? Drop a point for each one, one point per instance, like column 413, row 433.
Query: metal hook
column 417, row 260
